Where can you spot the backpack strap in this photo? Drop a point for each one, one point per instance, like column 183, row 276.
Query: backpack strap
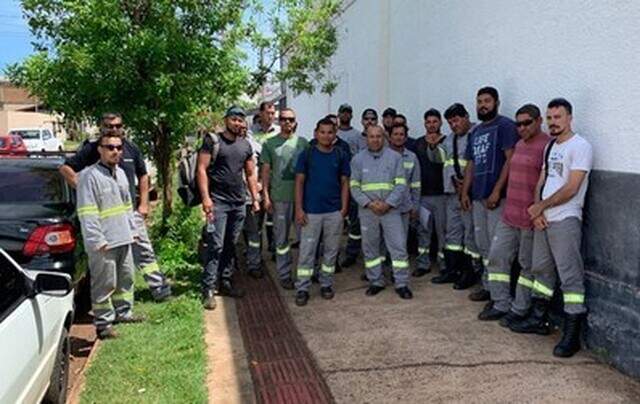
column 546, row 164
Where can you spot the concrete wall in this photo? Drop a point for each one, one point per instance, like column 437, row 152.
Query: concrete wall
column 414, row 55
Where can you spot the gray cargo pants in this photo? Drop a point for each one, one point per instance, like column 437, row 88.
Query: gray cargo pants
column 282, row 221
column 144, row 259
column 111, row 274
column 459, row 237
column 484, row 227
column 253, row 235
column 507, row 242
column 559, row 246
column 395, row 238
column 329, row 226
column 437, row 206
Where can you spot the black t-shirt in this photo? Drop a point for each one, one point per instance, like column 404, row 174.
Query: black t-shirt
column 432, row 182
column 226, row 182
column 132, row 161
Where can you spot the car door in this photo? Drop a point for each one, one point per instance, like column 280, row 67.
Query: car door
column 48, row 140
column 24, row 343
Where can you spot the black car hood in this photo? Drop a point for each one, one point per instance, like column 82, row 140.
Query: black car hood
column 35, row 212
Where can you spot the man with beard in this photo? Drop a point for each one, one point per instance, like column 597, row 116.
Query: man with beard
column 431, row 155
column 279, row 156
column 514, row 232
column 488, row 151
column 557, row 217
column 369, row 118
column 388, row 116
column 221, row 184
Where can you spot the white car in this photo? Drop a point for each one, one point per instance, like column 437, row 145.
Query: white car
column 36, row 313
column 38, row 139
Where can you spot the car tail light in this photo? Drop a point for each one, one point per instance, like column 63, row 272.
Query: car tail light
column 53, row 239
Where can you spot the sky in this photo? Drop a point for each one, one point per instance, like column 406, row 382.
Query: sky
column 15, row 38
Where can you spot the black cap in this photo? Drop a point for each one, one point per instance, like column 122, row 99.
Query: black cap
column 235, row 110
column 390, row 112
column 345, row 108
column 370, row 111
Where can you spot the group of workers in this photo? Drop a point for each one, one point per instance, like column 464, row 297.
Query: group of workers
column 482, row 196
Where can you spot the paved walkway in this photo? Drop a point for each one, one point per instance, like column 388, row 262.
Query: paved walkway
column 431, row 349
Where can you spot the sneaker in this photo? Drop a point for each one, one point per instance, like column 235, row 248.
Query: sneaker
column 287, row 284
column 107, row 333
column 404, row 293
column 132, row 319
column 208, row 300
column 480, row 295
column 327, row 293
column 302, row 298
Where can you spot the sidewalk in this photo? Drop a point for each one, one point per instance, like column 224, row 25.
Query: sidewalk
column 432, row 349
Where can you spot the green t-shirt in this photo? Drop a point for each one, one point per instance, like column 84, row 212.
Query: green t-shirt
column 282, row 155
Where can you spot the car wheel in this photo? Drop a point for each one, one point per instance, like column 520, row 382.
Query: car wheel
column 57, row 392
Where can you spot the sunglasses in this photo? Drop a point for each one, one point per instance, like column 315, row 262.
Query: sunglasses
column 285, row 119
column 369, row 119
column 113, row 125
column 524, row 123
column 112, row 147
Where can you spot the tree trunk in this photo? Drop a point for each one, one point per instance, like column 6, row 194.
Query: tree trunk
column 163, row 158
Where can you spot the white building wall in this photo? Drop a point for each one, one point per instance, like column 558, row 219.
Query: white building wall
column 418, row 54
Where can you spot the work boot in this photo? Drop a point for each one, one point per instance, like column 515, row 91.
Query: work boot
column 287, row 284
column 404, row 293
column 162, row 294
column 227, row 289
column 490, row 313
column 420, row 272
column 510, row 318
column 374, row 290
column 570, row 342
column 535, row 323
column 132, row 319
column 468, row 276
column 327, row 292
column 348, row 261
column 444, row 277
column 107, row 333
column 208, row 300
column 480, row 295
column 302, row 298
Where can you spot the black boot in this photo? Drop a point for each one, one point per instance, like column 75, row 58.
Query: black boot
column 537, row 322
column 228, row 289
column 468, row 276
column 570, row 342
column 452, row 269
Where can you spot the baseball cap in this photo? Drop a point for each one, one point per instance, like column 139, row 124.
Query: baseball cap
column 345, row 108
column 235, row 110
column 370, row 111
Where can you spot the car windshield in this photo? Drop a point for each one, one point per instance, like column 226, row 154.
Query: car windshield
column 27, row 134
column 20, row 184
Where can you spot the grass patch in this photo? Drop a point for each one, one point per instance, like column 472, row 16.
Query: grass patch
column 71, row 145
column 162, row 360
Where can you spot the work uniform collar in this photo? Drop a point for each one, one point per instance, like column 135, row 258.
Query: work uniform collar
column 111, row 171
column 376, row 154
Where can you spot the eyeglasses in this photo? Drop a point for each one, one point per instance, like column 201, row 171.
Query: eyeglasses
column 112, row 147
column 525, row 123
column 287, row 119
column 113, row 125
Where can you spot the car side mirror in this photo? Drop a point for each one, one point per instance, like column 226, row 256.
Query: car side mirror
column 52, row 284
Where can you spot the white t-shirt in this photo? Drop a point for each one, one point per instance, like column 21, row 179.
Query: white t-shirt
column 353, row 138
column 571, row 155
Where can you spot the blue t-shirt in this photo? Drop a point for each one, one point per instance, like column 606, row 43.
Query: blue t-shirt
column 486, row 146
column 322, row 179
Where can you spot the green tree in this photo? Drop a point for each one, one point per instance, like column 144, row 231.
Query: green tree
column 163, row 63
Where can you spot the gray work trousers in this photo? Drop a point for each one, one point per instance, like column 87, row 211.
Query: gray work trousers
column 558, row 246
column 484, row 227
column 395, row 238
column 329, row 227
column 459, row 237
column 508, row 242
column 282, row 221
column 253, row 237
column 111, row 274
column 144, row 259
column 438, row 221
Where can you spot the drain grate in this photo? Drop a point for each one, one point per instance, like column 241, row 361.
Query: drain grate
column 282, row 367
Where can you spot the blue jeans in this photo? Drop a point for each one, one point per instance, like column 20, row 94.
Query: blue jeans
column 219, row 246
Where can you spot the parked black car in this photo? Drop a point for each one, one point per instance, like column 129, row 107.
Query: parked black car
column 38, row 223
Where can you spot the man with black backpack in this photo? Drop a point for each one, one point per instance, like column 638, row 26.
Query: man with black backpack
column 322, row 202
column 221, row 184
